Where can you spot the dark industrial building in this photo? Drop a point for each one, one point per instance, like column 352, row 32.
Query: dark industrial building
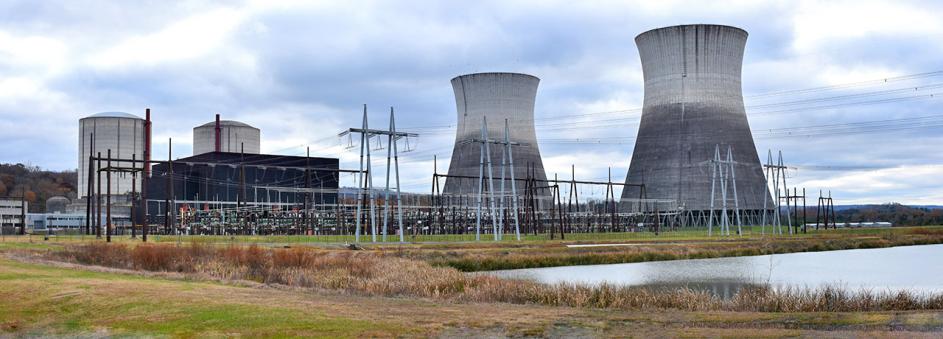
column 223, row 180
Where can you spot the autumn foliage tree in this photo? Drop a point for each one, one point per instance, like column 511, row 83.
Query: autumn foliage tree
column 35, row 184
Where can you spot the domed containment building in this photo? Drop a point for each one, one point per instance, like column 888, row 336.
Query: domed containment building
column 123, row 134
column 57, row 204
column 497, row 96
column 226, row 136
column 693, row 102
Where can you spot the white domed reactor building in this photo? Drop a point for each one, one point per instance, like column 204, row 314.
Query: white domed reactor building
column 226, row 136
column 497, row 96
column 693, row 103
column 123, row 134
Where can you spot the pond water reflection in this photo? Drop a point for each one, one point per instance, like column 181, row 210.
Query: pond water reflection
column 914, row 268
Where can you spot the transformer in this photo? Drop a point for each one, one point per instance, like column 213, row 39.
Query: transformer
column 693, row 103
column 499, row 97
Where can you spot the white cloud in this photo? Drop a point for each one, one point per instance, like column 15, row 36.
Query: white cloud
column 911, row 184
column 39, row 55
column 817, row 23
column 192, row 37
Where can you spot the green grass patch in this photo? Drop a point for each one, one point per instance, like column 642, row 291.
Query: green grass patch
column 37, row 300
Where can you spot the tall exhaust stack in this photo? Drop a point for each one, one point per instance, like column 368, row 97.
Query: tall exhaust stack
column 693, row 102
column 497, row 96
column 218, row 129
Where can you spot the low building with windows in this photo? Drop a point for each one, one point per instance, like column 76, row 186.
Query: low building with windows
column 11, row 214
column 58, row 223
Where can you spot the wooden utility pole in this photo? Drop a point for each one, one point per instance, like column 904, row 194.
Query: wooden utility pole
column 23, row 210
column 98, row 198
column 169, row 173
column 108, row 196
column 90, row 182
column 147, row 170
column 134, row 196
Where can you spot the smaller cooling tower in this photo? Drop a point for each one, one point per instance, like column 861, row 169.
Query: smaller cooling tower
column 232, row 137
column 497, row 96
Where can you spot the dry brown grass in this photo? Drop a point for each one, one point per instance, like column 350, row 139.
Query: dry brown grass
column 485, row 257
column 371, row 274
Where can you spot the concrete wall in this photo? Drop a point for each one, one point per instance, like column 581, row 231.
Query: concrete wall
column 123, row 135
column 232, row 134
column 498, row 96
column 693, row 102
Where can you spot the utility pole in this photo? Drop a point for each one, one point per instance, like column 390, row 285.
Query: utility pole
column 243, row 198
column 134, row 198
column 399, row 205
column 507, row 146
column 98, row 219
column 23, row 210
column 108, row 196
column 485, row 160
column 494, row 216
column 168, row 214
column 360, row 178
column 306, row 223
column 386, row 190
column 722, row 171
column 391, row 149
column 365, row 184
column 89, row 184
column 775, row 171
column 733, row 178
column 147, row 170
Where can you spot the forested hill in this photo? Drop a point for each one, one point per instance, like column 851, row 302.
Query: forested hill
column 900, row 215
column 37, row 184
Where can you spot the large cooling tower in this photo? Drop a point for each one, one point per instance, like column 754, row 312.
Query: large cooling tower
column 497, row 96
column 123, row 133
column 693, row 102
column 233, row 136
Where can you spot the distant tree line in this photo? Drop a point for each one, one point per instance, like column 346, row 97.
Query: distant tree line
column 899, row 215
column 35, row 184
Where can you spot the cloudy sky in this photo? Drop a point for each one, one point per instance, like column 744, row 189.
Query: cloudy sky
column 848, row 90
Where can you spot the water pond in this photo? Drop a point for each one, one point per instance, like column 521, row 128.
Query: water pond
column 913, row 268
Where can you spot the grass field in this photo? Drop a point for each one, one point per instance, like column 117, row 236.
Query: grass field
column 43, row 299
column 375, row 295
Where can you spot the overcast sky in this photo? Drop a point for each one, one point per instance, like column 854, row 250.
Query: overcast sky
column 300, row 71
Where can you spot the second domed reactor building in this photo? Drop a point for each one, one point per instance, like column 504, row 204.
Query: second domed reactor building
column 693, row 102
column 497, row 96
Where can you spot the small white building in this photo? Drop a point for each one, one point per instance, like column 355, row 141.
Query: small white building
column 55, row 222
column 11, row 213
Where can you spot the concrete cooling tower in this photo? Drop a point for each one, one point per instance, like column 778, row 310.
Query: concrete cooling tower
column 226, row 136
column 123, row 134
column 497, row 96
column 693, row 102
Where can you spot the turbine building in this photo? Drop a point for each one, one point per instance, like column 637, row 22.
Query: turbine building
column 499, row 97
column 693, row 103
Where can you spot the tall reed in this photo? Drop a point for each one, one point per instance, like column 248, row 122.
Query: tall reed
column 372, row 274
